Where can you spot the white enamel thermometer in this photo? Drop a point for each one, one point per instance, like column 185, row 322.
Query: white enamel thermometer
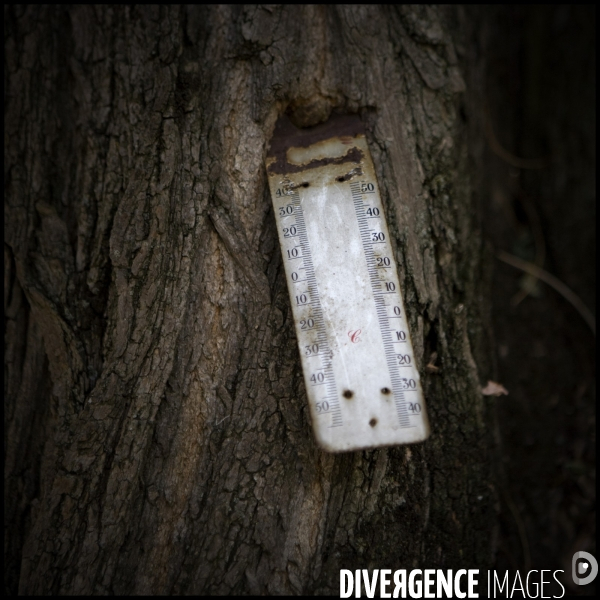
column 359, row 369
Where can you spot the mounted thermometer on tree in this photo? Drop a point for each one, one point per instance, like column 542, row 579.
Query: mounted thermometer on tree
column 361, row 379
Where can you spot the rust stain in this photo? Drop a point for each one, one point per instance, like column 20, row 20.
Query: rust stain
column 286, row 135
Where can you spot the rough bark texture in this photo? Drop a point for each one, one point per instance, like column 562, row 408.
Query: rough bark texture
column 157, row 436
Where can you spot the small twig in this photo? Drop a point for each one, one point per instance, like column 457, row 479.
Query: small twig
column 552, row 281
column 431, row 367
column 540, row 246
column 520, row 528
column 505, row 155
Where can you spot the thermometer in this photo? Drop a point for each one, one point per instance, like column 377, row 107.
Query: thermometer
column 361, row 380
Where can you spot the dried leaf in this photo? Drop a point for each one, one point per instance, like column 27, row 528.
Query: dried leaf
column 494, row 389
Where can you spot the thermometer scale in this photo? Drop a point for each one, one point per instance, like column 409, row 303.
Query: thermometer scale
column 362, row 383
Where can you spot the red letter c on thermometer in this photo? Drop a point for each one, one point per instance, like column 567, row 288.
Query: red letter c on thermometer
column 354, row 336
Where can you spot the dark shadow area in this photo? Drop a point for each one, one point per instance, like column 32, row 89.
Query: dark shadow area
column 540, row 207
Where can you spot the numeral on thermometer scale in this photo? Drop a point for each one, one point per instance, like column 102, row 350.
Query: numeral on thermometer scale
column 327, row 403
column 375, row 263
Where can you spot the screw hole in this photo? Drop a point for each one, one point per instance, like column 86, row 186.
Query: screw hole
column 305, row 184
column 386, row 390
column 348, row 394
column 341, row 179
column 373, row 422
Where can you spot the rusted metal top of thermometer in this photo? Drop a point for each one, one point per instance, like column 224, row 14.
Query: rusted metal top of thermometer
column 362, row 384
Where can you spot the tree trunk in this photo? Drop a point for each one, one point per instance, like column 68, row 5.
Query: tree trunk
column 157, row 432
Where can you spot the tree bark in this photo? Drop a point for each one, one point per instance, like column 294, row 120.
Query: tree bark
column 157, row 434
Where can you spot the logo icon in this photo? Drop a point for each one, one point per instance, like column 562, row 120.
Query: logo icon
column 585, row 568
